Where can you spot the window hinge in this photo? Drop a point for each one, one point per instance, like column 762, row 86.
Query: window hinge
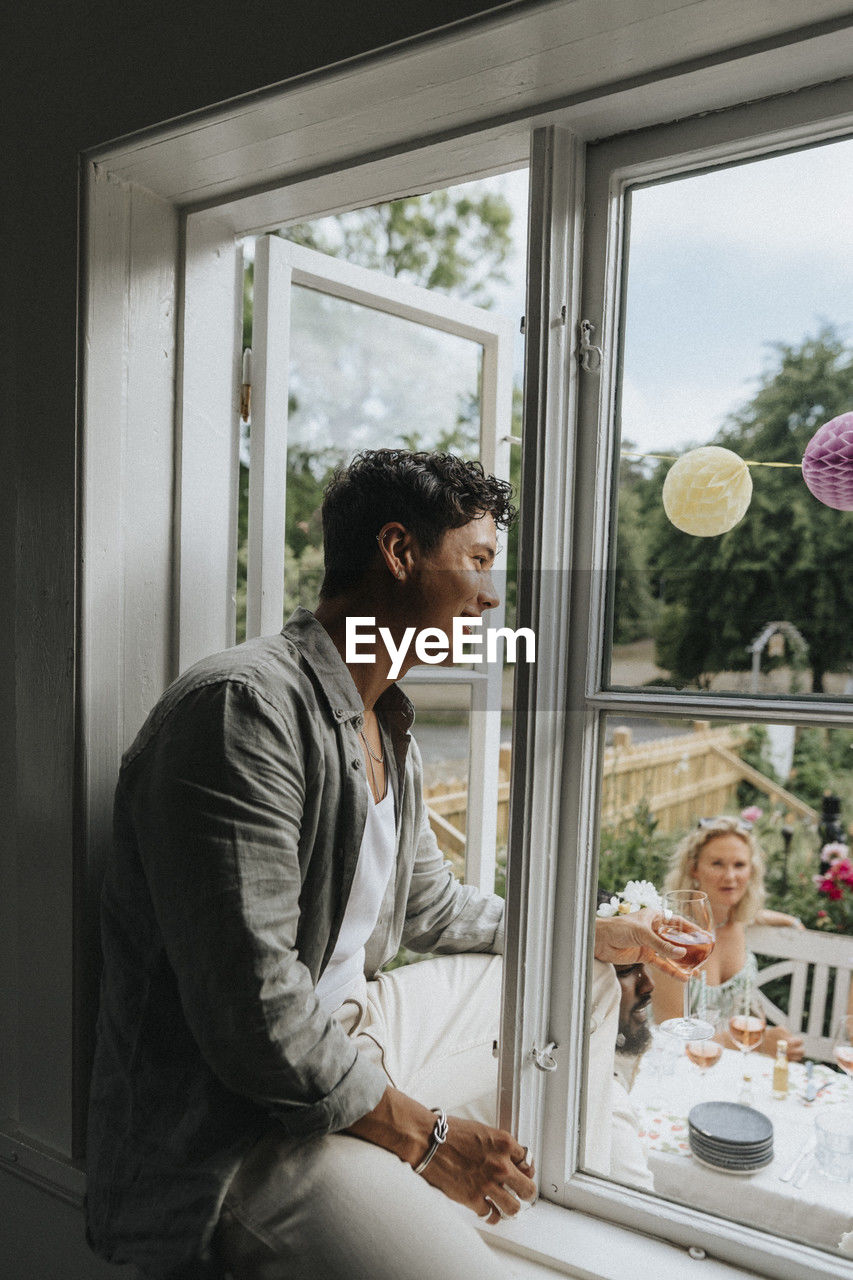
column 246, row 388
column 521, row 326
column 590, row 356
column 545, row 1059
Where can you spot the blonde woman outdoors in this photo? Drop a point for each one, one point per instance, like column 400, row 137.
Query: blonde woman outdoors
column 721, row 857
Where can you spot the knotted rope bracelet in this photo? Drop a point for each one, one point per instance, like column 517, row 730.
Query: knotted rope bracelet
column 439, row 1136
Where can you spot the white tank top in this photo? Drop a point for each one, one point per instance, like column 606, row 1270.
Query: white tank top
column 344, row 974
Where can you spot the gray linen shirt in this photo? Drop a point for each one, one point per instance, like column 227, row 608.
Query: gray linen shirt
column 239, row 814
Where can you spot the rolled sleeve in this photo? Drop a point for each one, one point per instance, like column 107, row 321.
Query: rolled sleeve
column 215, row 802
column 442, row 915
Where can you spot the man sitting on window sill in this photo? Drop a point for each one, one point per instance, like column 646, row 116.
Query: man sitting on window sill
column 263, row 1097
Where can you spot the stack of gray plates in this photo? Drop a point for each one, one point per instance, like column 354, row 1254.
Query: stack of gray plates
column 730, row 1137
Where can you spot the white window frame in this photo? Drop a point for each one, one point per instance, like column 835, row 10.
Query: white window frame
column 162, row 215
column 612, row 167
column 279, row 265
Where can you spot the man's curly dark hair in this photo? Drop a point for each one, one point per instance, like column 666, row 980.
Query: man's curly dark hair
column 428, row 493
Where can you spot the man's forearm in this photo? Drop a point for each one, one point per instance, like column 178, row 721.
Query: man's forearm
column 398, row 1123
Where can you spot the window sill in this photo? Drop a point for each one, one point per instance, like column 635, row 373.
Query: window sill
column 48, row 1170
column 550, row 1240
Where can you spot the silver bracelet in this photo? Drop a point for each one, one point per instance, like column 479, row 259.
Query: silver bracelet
column 439, row 1135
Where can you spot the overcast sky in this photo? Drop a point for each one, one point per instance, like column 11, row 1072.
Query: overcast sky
column 720, row 265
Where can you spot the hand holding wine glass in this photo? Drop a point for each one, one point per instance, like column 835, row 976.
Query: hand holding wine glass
column 686, row 921
column 633, row 939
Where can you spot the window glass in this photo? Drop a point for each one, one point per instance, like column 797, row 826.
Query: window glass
column 757, row 817
column 442, row 730
column 363, row 379
column 735, row 334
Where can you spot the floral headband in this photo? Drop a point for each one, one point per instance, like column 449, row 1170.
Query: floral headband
column 636, row 895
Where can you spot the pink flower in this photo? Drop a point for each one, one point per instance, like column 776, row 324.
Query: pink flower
column 751, row 813
column 832, row 890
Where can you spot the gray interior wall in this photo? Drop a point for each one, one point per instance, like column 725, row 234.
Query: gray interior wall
column 41, row 1238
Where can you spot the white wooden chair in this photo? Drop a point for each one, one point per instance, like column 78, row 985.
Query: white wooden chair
column 794, row 952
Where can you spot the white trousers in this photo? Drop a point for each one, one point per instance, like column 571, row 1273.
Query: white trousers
column 335, row 1207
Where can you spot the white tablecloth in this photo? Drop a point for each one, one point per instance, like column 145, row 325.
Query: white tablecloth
column 667, row 1085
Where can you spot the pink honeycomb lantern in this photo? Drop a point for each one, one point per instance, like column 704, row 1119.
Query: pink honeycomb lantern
column 828, row 463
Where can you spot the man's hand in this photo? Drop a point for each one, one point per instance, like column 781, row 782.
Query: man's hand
column 630, row 939
column 480, row 1167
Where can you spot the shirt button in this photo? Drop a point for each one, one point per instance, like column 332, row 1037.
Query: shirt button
column 356, row 764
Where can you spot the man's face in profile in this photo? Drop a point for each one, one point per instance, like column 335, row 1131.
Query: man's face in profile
column 637, row 987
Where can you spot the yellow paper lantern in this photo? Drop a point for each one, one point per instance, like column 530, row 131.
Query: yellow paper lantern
column 707, row 491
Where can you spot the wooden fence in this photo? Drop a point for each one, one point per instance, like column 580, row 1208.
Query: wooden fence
column 679, row 778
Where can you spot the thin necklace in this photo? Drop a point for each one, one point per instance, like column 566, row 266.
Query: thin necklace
column 380, row 759
column 371, row 756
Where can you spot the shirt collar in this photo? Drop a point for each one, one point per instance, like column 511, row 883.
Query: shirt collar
column 315, row 645
column 625, row 1068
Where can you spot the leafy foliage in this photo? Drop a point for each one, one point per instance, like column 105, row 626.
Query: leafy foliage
column 636, row 608
column 755, row 751
column 447, row 240
column 634, row 851
column 811, row 768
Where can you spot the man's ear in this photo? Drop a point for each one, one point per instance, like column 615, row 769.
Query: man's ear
column 396, row 545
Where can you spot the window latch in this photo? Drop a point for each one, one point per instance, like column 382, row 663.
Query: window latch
column 545, row 1059
column 589, row 355
column 246, row 388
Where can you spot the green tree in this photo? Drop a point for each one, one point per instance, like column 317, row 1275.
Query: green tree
column 634, row 607
column 790, row 558
column 448, row 240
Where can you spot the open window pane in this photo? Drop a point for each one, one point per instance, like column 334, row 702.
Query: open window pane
column 757, row 817
column 735, row 333
column 363, row 379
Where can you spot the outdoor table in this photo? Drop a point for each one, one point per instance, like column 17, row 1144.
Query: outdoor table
column 818, row 1211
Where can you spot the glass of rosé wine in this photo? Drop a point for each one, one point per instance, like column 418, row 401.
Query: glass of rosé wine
column 704, row 1053
column 686, row 920
column 747, row 1023
column 842, row 1050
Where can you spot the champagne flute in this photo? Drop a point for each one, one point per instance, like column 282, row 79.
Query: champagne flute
column 687, row 921
column 842, row 1049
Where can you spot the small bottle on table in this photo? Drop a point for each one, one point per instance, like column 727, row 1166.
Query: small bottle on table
column 780, row 1071
column 746, row 1097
